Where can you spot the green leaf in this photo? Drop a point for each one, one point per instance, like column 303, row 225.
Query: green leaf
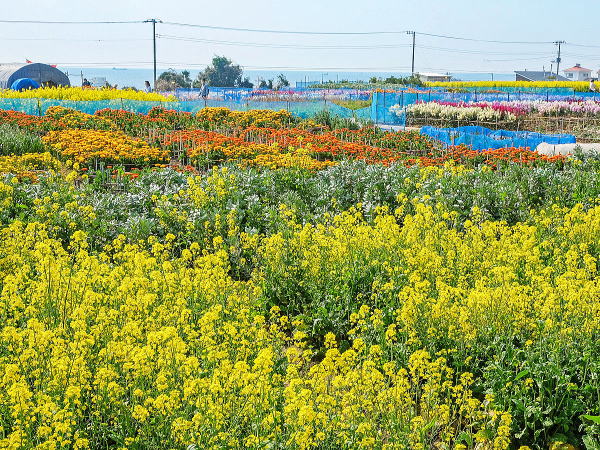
column 428, row 426
column 595, row 419
column 466, row 437
column 521, row 374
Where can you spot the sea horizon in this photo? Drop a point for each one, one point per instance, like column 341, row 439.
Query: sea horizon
column 135, row 77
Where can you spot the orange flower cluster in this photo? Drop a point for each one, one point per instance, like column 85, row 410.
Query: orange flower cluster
column 87, row 145
column 256, row 117
column 62, row 118
column 22, row 120
column 272, row 147
column 465, row 155
column 209, row 147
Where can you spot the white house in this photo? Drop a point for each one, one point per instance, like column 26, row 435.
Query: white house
column 433, row 77
column 578, row 73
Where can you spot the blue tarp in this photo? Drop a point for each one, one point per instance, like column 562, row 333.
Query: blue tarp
column 22, row 84
column 481, row 138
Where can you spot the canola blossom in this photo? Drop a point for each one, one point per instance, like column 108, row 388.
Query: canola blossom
column 84, row 94
column 575, row 85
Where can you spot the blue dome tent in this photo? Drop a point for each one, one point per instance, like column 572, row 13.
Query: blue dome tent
column 23, row 84
column 43, row 74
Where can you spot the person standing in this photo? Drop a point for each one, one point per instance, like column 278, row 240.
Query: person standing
column 592, row 86
column 147, row 88
column 204, row 90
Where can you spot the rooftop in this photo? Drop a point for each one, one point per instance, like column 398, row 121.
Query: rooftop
column 432, row 74
column 578, row 68
column 540, row 76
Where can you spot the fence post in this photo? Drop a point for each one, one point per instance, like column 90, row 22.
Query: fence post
column 375, row 106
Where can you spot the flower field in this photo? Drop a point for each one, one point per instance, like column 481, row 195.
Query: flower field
column 84, row 94
column 502, row 111
column 581, row 86
column 254, row 280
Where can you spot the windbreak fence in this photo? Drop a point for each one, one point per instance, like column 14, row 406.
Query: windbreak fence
column 303, row 109
column 481, row 138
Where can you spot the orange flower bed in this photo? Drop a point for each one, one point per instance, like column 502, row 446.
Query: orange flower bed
column 86, row 145
column 465, row 155
column 408, row 148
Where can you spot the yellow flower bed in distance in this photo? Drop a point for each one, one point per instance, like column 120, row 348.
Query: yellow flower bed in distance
column 575, row 85
column 80, row 94
column 86, row 145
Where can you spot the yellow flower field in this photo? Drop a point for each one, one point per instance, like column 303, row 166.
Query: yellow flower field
column 81, row 94
column 576, row 85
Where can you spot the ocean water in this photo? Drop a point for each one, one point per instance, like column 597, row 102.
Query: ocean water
column 125, row 77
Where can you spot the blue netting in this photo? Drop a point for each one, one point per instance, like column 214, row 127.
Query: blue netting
column 303, row 109
column 301, row 102
column 481, row 138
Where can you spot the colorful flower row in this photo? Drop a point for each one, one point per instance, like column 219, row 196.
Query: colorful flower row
column 87, row 145
column 575, row 85
column 507, row 110
column 80, row 94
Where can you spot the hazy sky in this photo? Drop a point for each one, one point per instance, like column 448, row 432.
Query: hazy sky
column 130, row 45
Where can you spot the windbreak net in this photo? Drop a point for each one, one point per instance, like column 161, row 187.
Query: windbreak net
column 481, row 138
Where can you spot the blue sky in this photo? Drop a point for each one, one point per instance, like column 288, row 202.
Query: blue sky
column 129, row 45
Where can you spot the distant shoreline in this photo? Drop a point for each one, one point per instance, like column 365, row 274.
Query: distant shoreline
column 135, row 77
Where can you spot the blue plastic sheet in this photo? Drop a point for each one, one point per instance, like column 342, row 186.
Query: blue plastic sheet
column 22, row 84
column 481, row 138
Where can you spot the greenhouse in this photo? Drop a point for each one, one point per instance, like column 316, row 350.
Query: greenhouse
column 42, row 74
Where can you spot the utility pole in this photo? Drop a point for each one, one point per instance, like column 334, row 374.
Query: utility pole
column 558, row 58
column 154, row 21
column 413, row 51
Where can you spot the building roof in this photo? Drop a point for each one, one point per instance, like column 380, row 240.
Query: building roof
column 578, row 68
column 540, row 76
column 42, row 73
column 431, row 74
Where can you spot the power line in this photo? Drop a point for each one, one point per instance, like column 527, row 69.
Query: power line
column 443, row 36
column 256, row 30
column 336, row 47
column 73, row 22
column 259, row 44
column 520, row 59
column 76, row 39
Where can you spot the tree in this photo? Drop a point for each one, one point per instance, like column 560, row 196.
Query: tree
column 171, row 80
column 282, row 81
column 221, row 73
column 266, row 84
column 246, row 83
